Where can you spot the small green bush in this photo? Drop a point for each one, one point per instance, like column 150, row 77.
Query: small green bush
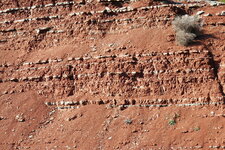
column 128, row 121
column 196, row 128
column 187, row 28
column 172, row 122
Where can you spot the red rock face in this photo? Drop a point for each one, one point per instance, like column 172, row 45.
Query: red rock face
column 109, row 75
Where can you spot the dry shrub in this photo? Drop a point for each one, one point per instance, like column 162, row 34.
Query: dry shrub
column 184, row 38
column 187, row 28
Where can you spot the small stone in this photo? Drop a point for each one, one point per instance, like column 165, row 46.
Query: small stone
column 116, row 116
column 108, row 50
column 70, row 59
column 5, row 92
column 200, row 12
column 43, row 30
column 111, row 44
column 212, row 113
column 31, row 136
column 20, row 118
column 206, row 15
column 2, row 118
column 72, row 118
column 93, row 49
column 145, row 130
column 48, row 103
column 185, row 131
column 107, row 9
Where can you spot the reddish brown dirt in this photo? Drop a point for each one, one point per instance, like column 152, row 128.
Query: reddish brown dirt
column 110, row 76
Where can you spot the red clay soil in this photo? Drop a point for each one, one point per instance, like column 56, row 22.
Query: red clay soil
column 109, row 75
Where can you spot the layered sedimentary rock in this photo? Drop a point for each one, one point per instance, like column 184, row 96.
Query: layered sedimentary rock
column 181, row 74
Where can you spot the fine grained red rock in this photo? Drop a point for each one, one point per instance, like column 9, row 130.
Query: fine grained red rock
column 109, row 75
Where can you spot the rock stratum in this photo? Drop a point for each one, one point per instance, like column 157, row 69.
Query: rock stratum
column 108, row 75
